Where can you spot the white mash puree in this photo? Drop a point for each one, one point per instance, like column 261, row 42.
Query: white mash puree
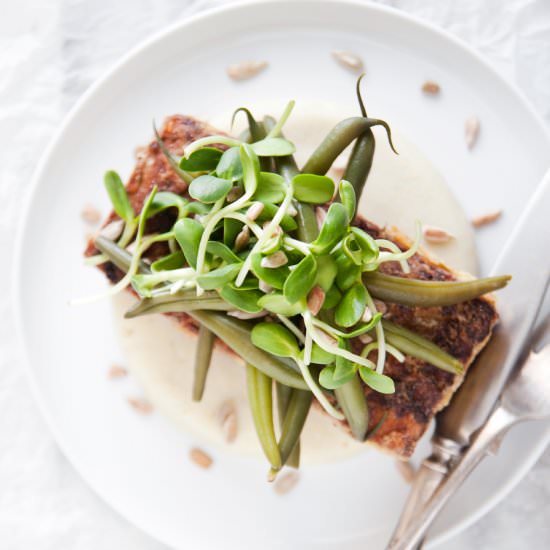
column 400, row 190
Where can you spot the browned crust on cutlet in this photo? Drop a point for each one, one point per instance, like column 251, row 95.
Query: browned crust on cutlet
column 421, row 389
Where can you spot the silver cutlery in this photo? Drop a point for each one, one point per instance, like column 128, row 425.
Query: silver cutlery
column 524, row 258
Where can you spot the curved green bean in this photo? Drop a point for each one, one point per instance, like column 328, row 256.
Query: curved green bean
column 337, row 140
column 295, row 418
column 178, row 303
column 415, row 345
column 203, row 357
column 260, row 397
column 117, row 255
column 284, row 394
column 236, row 334
column 412, row 292
column 353, row 403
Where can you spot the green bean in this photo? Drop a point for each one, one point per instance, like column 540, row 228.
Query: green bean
column 412, row 292
column 376, row 428
column 337, row 140
column 177, row 303
column 295, row 418
column 306, row 219
column 203, row 357
column 283, row 398
column 236, row 334
column 353, row 403
column 416, row 346
column 261, row 405
column 256, row 132
column 120, row 257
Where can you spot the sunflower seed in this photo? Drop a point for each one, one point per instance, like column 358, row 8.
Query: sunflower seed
column 264, row 287
column 431, row 88
column 90, row 214
column 315, row 300
column 380, row 306
column 436, row 235
column 367, row 315
column 275, row 260
column 228, row 420
column 116, row 371
column 242, row 239
column 254, row 210
column 141, row 405
column 286, row 482
column 245, row 70
column 112, row 230
column 486, row 219
column 238, row 314
column 200, row 458
column 471, row 131
column 349, row 60
column 365, row 338
column 291, row 211
column 406, row 469
column 234, row 194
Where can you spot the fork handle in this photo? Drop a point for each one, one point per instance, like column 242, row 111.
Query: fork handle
column 499, row 422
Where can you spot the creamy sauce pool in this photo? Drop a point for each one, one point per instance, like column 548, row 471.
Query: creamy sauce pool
column 400, row 190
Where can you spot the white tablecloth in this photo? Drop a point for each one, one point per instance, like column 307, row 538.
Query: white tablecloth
column 50, row 52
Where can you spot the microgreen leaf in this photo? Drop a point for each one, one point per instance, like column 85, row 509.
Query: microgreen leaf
column 194, row 207
column 321, row 357
column 188, row 233
column 274, row 277
column 288, row 223
column 251, row 168
column 277, row 303
column 119, row 198
column 378, row 382
column 326, row 272
column 348, row 272
column 332, row 297
column 209, row 189
column 229, row 166
column 328, row 380
column 164, row 200
column 218, row 277
column 351, row 308
column 217, row 248
column 367, row 244
column 301, row 280
column 344, row 369
column 312, row 188
column 352, row 250
column 367, row 327
column 271, row 188
column 347, row 196
column 273, row 147
column 275, row 339
column 202, row 160
column 245, row 300
column 231, row 228
column 172, row 261
column 334, row 227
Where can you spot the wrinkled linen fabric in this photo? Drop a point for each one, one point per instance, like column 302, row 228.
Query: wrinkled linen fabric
column 51, row 51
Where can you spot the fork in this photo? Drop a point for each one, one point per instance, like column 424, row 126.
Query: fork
column 526, row 397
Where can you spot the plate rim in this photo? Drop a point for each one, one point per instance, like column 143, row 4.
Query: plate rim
column 134, row 52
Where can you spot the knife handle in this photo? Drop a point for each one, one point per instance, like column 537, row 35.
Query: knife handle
column 432, row 471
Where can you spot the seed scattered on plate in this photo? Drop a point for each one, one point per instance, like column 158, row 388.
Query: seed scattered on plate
column 228, row 420
column 200, row 458
column 245, row 70
column 349, row 60
column 90, row 214
column 286, row 482
column 275, row 260
column 406, row 469
column 471, row 131
column 315, row 300
column 486, row 219
column 436, row 235
column 431, row 88
column 141, row 405
column 116, row 371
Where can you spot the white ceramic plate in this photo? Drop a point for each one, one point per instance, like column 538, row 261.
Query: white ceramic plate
column 139, row 466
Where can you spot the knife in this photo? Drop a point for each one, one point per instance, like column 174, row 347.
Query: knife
column 525, row 258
